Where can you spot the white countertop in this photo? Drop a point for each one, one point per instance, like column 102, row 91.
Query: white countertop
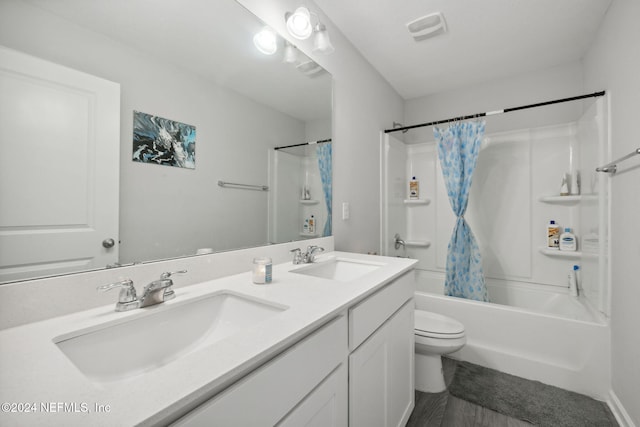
column 36, row 376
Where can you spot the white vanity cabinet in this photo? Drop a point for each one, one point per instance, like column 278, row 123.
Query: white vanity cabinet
column 357, row 370
column 381, row 366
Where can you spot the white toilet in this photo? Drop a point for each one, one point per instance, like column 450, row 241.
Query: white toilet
column 435, row 335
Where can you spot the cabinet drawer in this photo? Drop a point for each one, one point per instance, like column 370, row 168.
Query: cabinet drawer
column 267, row 394
column 368, row 315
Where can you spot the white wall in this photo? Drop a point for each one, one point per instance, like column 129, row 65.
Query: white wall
column 183, row 208
column 540, row 85
column 363, row 104
column 613, row 63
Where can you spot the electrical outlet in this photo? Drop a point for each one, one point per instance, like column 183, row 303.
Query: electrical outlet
column 345, row 210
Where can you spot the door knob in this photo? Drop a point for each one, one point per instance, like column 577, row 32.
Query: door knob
column 108, row 243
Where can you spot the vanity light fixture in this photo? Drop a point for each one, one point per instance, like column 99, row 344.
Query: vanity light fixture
column 321, row 41
column 290, row 53
column 299, row 26
column 266, row 41
column 299, row 23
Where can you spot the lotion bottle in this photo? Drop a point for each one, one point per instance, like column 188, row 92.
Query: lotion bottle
column 568, row 241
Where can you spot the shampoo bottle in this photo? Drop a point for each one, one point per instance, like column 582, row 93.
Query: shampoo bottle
column 312, row 225
column 568, row 241
column 553, row 235
column 414, row 190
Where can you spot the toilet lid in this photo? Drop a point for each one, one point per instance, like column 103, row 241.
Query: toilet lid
column 432, row 324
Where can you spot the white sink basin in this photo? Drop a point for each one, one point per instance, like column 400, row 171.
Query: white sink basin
column 340, row 269
column 123, row 349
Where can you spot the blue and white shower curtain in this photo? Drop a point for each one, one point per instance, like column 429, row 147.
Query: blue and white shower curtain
column 323, row 152
column 458, row 148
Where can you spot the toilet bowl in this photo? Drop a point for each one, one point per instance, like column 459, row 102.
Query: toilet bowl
column 435, row 335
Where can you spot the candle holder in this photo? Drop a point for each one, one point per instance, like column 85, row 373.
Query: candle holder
column 262, row 270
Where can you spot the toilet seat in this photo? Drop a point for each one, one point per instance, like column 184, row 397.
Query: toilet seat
column 434, row 325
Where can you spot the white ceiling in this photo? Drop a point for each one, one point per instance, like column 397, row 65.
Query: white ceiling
column 486, row 39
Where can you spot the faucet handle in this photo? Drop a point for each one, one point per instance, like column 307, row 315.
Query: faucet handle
column 297, row 255
column 127, row 298
column 168, row 274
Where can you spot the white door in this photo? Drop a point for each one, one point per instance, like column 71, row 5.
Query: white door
column 59, row 173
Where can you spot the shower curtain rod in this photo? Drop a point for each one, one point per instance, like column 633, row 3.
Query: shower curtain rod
column 491, row 113
column 304, row 143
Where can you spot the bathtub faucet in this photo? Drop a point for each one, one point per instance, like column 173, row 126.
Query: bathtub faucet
column 398, row 242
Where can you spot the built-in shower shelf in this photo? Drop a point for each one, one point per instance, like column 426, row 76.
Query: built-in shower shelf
column 560, row 254
column 417, row 243
column 417, row 201
column 568, row 199
column 309, row 202
column 309, row 235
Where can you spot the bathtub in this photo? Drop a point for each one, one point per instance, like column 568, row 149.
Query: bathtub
column 539, row 334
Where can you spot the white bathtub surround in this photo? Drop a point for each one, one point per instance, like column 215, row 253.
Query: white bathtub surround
column 561, row 341
column 35, row 370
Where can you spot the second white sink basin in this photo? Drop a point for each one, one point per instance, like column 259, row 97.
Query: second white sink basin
column 340, row 269
column 123, row 349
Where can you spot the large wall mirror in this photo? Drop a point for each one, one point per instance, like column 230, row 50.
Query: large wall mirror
column 179, row 65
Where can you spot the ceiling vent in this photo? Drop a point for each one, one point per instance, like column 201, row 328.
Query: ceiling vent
column 427, row 26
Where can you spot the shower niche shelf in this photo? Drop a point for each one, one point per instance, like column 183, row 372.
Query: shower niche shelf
column 309, row 202
column 560, row 254
column 568, row 199
column 410, row 202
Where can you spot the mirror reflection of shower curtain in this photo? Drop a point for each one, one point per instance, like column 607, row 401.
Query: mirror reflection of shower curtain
column 323, row 152
column 458, row 148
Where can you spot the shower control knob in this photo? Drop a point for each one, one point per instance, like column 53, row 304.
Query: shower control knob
column 108, row 243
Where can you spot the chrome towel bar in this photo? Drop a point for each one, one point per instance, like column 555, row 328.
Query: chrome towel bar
column 243, row 186
column 613, row 166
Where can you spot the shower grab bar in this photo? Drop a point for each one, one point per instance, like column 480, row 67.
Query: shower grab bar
column 243, row 186
column 613, row 166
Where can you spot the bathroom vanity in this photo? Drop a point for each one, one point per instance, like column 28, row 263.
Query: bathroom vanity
column 328, row 343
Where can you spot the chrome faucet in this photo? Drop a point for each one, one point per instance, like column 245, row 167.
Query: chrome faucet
column 307, row 257
column 155, row 292
column 398, row 242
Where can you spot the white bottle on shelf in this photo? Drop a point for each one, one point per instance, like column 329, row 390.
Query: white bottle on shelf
column 414, row 189
column 568, row 241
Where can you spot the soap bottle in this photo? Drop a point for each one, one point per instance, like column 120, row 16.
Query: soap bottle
column 553, row 235
column 573, row 280
column 414, row 190
column 312, row 225
column 568, row 241
column 305, row 226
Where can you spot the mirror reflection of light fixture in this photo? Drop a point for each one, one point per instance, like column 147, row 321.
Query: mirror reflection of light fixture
column 299, row 23
column 290, row 53
column 321, row 41
column 266, row 41
column 299, row 26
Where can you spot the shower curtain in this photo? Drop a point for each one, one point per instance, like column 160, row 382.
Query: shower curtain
column 323, row 152
column 458, row 148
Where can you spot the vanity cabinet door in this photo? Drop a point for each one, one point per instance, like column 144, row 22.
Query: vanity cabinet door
column 275, row 390
column 381, row 382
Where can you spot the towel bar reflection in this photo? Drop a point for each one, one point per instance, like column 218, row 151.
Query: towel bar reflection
column 243, row 186
column 613, row 166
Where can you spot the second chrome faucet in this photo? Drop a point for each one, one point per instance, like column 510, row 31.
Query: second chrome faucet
column 308, row 257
